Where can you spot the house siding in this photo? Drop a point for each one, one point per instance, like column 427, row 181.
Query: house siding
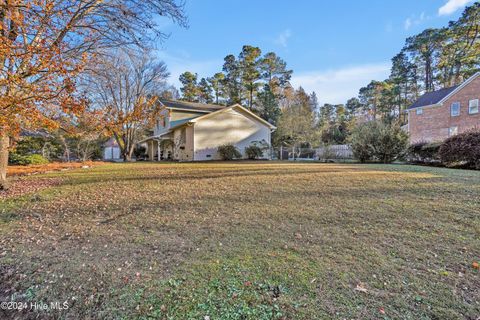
column 434, row 123
column 183, row 150
column 230, row 127
column 171, row 117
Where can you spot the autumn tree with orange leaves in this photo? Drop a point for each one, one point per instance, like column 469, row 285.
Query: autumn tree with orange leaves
column 46, row 44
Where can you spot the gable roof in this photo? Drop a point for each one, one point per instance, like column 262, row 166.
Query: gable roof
column 433, row 97
column 250, row 113
column 440, row 96
column 190, row 106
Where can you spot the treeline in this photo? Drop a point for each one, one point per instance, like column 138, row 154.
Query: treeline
column 431, row 60
column 254, row 80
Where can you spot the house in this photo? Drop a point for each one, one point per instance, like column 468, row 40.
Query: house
column 111, row 150
column 440, row 114
column 187, row 131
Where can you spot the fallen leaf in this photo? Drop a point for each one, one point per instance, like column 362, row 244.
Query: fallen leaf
column 360, row 287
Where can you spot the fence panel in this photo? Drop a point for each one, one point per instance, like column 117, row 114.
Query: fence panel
column 332, row 152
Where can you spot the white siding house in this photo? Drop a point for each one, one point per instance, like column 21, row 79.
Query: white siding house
column 192, row 132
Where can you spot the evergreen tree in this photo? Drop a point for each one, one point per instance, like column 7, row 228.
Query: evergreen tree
column 268, row 105
column 217, row 84
column 250, row 73
column 204, row 91
column 189, row 87
column 232, row 83
column 274, row 71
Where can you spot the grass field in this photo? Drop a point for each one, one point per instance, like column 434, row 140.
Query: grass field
column 260, row 240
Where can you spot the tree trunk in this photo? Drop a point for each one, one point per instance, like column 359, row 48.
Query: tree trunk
column 4, row 144
column 251, row 98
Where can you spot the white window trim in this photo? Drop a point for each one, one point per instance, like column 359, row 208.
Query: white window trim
column 470, row 106
column 419, row 111
column 451, row 109
column 455, row 128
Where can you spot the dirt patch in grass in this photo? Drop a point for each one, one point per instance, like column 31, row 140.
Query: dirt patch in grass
column 260, row 240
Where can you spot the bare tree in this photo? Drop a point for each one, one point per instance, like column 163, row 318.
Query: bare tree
column 125, row 88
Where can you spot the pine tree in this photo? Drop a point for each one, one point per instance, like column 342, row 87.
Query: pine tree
column 250, row 73
column 204, row 91
column 232, row 83
column 189, row 87
column 268, row 105
column 217, row 84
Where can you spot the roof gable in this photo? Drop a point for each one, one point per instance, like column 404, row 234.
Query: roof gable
column 190, row 106
column 431, row 98
column 245, row 111
column 440, row 96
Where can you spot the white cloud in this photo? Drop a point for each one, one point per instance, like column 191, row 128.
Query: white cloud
column 282, row 38
column 181, row 62
column 414, row 20
column 339, row 85
column 408, row 23
column 451, row 6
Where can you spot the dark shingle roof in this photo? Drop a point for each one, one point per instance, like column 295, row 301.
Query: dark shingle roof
column 191, row 105
column 433, row 97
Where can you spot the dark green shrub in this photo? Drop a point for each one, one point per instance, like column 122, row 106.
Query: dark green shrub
column 49, row 147
column 228, row 152
column 424, row 152
column 15, row 158
column 36, row 159
column 462, row 149
column 378, row 141
column 253, row 152
column 139, row 152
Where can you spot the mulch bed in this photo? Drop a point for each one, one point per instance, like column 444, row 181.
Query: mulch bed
column 50, row 167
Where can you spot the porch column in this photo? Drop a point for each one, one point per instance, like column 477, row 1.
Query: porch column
column 150, row 150
column 158, row 150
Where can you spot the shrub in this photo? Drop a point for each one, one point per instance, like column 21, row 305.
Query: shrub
column 49, row 147
column 463, row 149
column 253, row 152
column 139, row 152
column 15, row 158
column 228, row 152
column 424, row 152
column 328, row 153
column 375, row 140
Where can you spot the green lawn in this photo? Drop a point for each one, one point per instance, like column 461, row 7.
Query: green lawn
column 259, row 240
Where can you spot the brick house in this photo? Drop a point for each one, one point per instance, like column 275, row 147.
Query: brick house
column 439, row 114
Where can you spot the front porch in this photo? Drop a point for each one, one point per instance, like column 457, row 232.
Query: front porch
column 159, row 148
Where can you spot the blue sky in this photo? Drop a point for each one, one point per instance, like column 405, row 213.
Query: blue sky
column 334, row 47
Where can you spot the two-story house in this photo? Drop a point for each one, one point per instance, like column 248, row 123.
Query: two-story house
column 187, row 131
column 440, row 114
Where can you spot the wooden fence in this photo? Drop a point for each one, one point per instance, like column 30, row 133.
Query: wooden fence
column 336, row 151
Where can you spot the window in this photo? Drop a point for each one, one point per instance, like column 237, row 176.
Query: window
column 473, row 106
column 420, row 111
column 455, row 109
column 452, row 131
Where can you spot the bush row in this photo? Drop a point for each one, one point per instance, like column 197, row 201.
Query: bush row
column 253, row 151
column 461, row 150
column 23, row 160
